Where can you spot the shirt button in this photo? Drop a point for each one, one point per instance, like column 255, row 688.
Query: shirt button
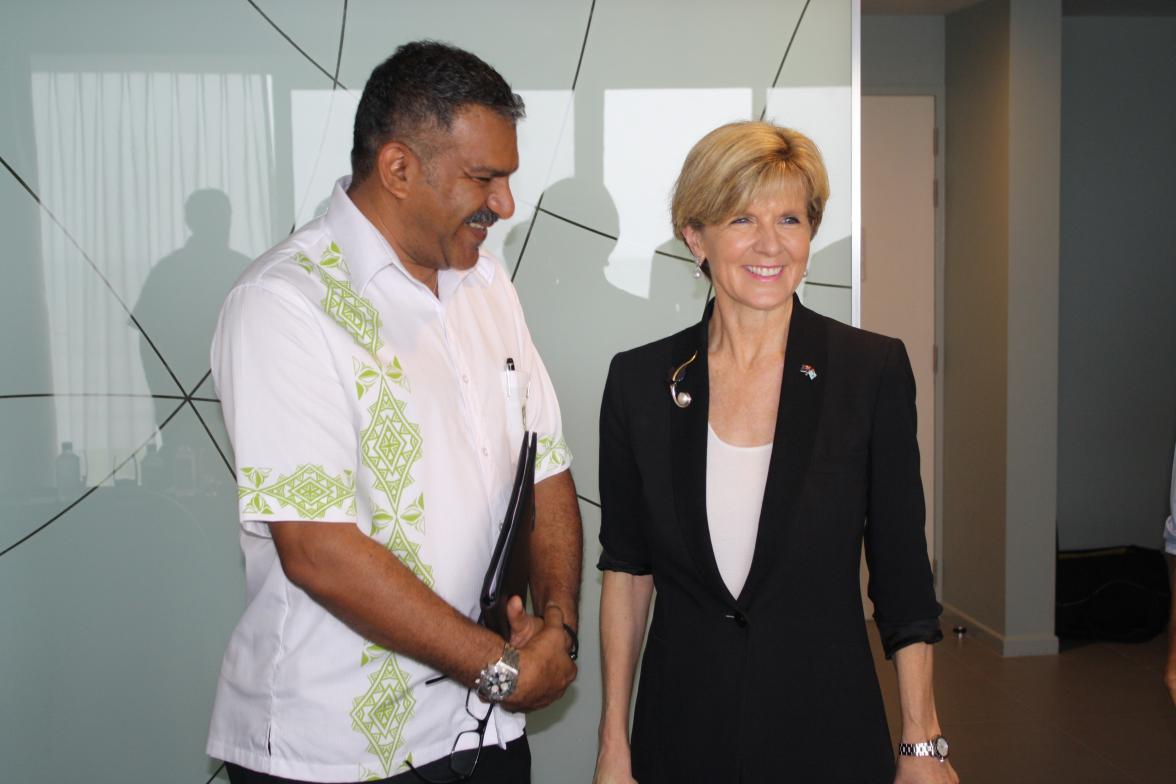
column 465, row 378
column 485, row 452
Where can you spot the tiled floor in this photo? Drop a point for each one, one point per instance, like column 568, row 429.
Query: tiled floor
column 1094, row 714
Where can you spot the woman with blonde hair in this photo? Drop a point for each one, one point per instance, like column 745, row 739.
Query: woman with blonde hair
column 743, row 461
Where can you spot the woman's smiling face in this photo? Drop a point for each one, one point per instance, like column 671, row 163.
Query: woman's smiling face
column 758, row 257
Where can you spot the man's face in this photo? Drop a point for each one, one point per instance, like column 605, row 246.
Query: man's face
column 463, row 191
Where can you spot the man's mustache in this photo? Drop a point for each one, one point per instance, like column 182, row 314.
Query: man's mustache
column 483, row 217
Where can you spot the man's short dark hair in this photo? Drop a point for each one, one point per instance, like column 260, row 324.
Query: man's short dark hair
column 420, row 88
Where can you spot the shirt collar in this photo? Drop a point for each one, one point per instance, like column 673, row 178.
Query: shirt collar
column 367, row 252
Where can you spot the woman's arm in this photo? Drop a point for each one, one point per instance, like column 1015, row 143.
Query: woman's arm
column 901, row 585
column 624, row 610
column 919, row 720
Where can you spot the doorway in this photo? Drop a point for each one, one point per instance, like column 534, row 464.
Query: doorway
column 899, row 202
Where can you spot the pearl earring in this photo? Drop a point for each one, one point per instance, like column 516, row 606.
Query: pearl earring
column 698, row 268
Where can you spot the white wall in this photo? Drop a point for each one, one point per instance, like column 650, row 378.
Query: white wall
column 1117, row 342
column 976, row 307
column 1032, row 382
column 906, row 55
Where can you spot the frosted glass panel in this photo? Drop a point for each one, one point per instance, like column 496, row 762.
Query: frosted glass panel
column 313, row 26
column 320, row 138
column 214, row 422
column 834, row 302
column 580, row 320
column 647, row 134
column 823, row 114
column 123, row 607
column 150, row 150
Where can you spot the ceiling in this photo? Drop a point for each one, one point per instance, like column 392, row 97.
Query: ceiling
column 1069, row 7
column 1119, row 7
column 914, row 6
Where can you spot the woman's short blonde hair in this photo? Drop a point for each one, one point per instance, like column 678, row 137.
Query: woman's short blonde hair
column 736, row 162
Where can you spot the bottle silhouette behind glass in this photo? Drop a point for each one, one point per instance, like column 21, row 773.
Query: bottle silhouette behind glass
column 67, row 471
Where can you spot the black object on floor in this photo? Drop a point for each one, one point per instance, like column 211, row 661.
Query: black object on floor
column 1114, row 594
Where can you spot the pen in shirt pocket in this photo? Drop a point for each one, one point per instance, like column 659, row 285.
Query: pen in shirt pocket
column 512, row 393
column 512, row 382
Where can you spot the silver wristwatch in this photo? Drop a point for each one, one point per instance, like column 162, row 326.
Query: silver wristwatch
column 937, row 747
column 498, row 680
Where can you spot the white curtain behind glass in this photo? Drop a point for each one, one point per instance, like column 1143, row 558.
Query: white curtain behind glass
column 118, row 156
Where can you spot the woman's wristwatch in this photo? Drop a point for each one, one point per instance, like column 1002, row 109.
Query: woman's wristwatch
column 937, row 747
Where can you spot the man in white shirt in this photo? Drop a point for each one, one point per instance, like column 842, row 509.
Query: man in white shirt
column 376, row 375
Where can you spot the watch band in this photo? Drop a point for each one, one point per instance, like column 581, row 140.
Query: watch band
column 575, row 651
column 937, row 747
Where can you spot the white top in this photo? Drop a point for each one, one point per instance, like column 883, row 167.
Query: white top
column 353, row 395
column 735, row 480
column 1170, row 525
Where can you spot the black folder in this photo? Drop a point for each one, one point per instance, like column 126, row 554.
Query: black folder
column 510, row 570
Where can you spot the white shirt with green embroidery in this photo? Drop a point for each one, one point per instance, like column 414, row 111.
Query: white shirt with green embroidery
column 353, row 395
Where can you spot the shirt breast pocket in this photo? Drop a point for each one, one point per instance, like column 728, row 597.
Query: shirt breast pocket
column 515, row 384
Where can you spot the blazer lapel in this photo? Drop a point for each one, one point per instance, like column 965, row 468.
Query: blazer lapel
column 688, row 438
column 802, row 392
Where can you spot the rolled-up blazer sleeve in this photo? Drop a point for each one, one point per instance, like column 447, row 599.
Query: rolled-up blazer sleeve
column 622, row 503
column 901, row 586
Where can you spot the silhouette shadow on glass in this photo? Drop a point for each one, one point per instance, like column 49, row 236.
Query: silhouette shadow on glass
column 178, row 307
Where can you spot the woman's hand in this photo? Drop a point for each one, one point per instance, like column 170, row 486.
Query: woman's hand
column 925, row 770
column 614, row 766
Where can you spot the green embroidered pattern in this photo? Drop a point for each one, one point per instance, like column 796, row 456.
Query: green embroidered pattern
column 552, row 452
column 304, row 261
column 399, row 544
column 333, row 259
column 371, row 653
column 383, row 711
column 409, row 554
column 310, row 491
column 414, row 514
column 349, row 310
column 352, row 312
column 390, row 445
column 380, row 521
column 366, row 376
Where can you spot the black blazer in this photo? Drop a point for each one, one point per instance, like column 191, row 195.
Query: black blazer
column 778, row 683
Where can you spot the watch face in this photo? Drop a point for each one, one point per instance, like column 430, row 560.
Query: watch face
column 498, row 683
column 941, row 747
column 498, row 680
